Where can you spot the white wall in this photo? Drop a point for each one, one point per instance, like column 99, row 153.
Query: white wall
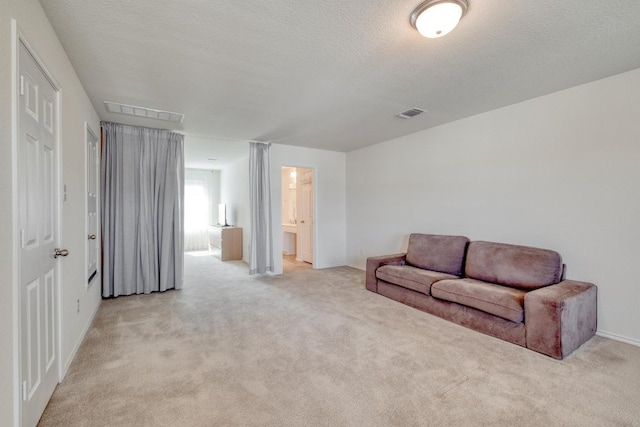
column 330, row 206
column 7, row 324
column 75, row 110
column 234, row 191
column 560, row 171
column 214, row 197
column 330, row 212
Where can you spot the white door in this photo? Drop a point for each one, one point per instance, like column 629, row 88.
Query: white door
column 92, row 205
column 306, row 216
column 38, row 207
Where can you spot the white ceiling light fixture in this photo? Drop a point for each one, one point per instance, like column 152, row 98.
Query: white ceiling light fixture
column 436, row 18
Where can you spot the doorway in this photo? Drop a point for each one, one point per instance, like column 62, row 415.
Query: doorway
column 93, row 219
column 297, row 218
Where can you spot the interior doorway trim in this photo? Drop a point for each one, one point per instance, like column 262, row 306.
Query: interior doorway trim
column 18, row 38
column 91, row 135
column 315, row 234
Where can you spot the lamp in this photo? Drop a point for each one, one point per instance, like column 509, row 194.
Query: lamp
column 436, row 18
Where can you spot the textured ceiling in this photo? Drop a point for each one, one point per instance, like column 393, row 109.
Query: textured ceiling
column 198, row 151
column 332, row 74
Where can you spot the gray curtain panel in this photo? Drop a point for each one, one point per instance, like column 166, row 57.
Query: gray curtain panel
column 142, row 210
column 261, row 249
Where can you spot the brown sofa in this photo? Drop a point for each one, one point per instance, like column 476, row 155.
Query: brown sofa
column 515, row 293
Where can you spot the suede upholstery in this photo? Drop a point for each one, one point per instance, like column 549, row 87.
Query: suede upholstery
column 520, row 267
column 457, row 313
column 515, row 293
column 438, row 253
column 373, row 263
column 561, row 317
column 409, row 277
column 501, row 301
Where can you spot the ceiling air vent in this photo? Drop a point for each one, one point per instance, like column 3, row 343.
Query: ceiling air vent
column 149, row 113
column 410, row 113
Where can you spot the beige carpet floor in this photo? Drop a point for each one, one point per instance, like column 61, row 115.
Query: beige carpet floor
column 314, row 348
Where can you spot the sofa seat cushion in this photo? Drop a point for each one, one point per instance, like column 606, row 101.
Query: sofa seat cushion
column 501, row 301
column 409, row 277
column 438, row 253
column 521, row 267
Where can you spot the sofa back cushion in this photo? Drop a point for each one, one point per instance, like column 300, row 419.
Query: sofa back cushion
column 520, row 267
column 438, row 253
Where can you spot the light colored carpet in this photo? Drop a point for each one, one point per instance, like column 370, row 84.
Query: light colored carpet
column 314, row 348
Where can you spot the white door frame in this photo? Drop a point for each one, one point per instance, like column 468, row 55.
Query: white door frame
column 17, row 38
column 314, row 183
column 90, row 133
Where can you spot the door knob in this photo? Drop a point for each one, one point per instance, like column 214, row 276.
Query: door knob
column 60, row 252
column 92, row 237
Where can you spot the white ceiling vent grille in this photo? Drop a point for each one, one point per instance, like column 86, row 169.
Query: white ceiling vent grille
column 150, row 113
column 410, row 113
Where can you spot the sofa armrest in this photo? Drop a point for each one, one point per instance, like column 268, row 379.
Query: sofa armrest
column 373, row 263
column 561, row 317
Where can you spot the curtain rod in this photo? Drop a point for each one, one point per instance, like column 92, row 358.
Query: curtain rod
column 141, row 127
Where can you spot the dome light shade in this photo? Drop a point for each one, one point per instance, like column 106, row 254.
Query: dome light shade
column 436, row 18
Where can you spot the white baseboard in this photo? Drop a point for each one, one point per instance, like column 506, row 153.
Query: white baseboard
column 618, row 338
column 79, row 342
